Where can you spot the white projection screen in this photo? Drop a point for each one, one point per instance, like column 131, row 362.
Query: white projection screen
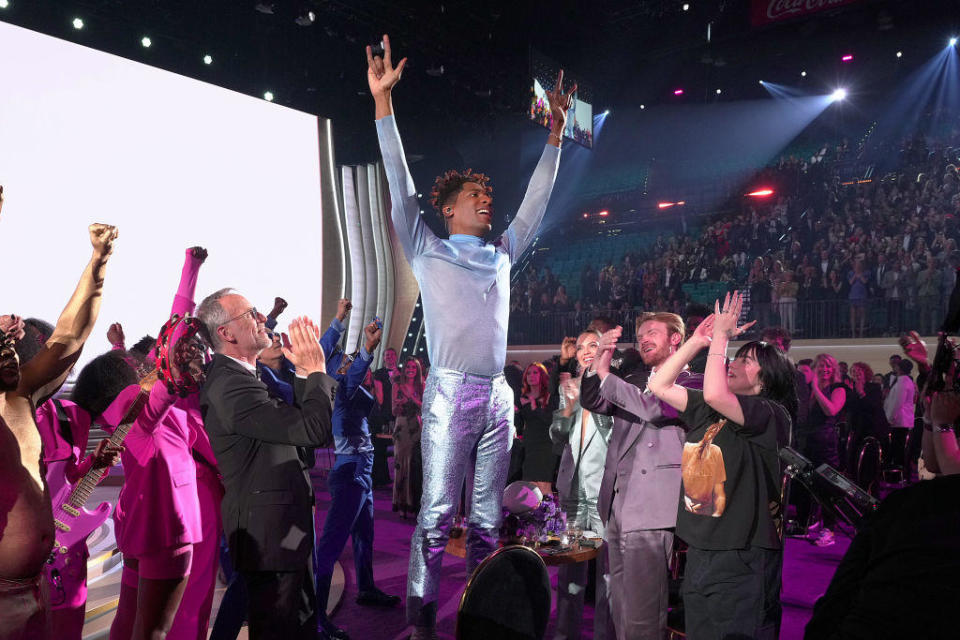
column 173, row 162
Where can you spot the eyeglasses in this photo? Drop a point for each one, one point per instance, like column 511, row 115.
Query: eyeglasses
column 252, row 312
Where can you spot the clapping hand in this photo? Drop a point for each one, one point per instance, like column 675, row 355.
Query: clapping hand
column 570, row 387
column 725, row 319
column 382, row 76
column 608, row 343
column 303, row 349
column 703, row 334
column 568, row 349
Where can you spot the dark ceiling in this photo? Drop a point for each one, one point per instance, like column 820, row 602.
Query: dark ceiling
column 627, row 52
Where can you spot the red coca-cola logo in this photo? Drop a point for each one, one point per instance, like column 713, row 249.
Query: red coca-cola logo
column 780, row 9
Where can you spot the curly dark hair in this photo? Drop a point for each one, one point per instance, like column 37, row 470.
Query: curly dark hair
column 35, row 335
column 450, row 184
column 102, row 380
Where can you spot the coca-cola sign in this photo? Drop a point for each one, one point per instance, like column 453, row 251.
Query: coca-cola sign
column 767, row 11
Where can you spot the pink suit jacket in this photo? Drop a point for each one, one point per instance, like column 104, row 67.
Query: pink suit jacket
column 158, row 506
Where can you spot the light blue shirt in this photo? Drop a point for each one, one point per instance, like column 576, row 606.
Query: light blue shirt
column 464, row 281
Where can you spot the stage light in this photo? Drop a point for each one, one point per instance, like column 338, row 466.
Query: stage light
column 603, row 214
column 77, row 23
column 606, row 112
column 838, row 94
column 803, row 74
column 681, row 203
column 761, row 82
column 665, row 205
column 686, row 7
column 4, row 4
column 678, row 92
column 642, row 107
column 847, row 58
column 586, row 215
column 306, row 18
column 761, row 193
column 719, row 91
column 899, row 54
column 268, row 96
column 208, row 59
column 146, row 42
column 953, row 42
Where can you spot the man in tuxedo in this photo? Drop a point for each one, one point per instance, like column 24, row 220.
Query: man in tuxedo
column 268, row 505
column 641, row 480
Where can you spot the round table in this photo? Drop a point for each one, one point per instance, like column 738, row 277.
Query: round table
column 456, row 546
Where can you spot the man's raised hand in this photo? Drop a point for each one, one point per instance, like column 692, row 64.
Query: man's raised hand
column 560, row 103
column 102, row 237
column 115, row 336
column 382, row 76
column 343, row 308
column 373, row 334
column 303, row 347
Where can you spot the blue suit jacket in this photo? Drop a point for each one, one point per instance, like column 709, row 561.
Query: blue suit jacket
column 353, row 403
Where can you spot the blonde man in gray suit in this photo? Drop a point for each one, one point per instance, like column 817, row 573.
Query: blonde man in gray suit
column 640, row 490
column 584, row 436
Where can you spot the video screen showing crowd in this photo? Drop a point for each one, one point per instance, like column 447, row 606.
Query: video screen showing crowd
column 663, row 447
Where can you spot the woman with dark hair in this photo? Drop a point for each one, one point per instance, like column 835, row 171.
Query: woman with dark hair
column 731, row 510
column 865, row 408
column 408, row 463
column 157, row 518
column 534, row 417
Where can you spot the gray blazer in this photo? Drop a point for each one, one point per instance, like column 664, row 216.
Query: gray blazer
column 580, row 468
column 641, row 481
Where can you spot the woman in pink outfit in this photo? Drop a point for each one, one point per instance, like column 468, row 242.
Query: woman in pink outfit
column 157, row 517
column 193, row 617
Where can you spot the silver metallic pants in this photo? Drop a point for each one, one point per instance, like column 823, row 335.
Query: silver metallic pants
column 467, row 425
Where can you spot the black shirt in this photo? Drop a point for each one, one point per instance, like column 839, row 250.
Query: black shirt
column 731, row 486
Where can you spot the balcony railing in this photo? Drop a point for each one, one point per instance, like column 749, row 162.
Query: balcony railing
column 805, row 319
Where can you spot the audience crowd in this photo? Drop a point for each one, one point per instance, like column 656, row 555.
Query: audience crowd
column 824, row 257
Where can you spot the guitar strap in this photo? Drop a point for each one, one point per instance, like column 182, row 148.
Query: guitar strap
column 66, row 432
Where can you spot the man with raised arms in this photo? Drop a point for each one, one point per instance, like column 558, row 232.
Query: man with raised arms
column 465, row 287
column 26, row 517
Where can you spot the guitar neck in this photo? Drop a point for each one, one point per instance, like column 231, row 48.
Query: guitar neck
column 86, row 485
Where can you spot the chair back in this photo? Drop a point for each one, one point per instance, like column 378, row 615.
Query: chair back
column 869, row 464
column 507, row 597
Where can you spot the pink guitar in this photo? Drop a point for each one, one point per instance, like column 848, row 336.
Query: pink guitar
column 73, row 522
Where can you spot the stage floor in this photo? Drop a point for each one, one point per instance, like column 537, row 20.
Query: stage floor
column 807, row 571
